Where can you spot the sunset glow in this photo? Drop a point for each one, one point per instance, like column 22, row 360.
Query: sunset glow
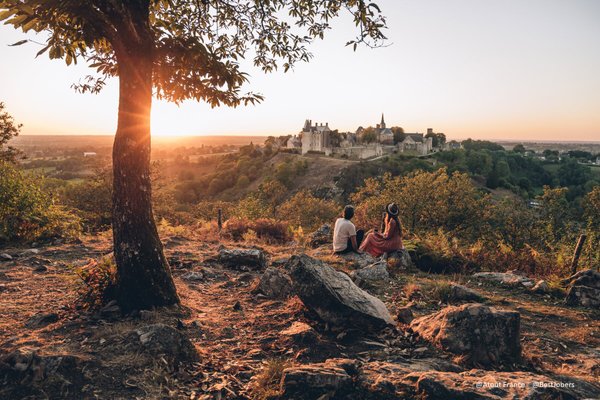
column 496, row 69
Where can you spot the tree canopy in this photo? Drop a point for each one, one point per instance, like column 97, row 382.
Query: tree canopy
column 195, row 46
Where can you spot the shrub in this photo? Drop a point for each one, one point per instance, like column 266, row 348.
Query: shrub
column 98, row 278
column 308, row 211
column 266, row 229
column 28, row 213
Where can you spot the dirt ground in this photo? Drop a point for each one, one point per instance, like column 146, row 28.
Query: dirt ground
column 237, row 332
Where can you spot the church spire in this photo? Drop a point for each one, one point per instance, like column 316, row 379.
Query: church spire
column 382, row 122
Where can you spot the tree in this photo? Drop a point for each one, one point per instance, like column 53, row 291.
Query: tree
column 399, row 134
column 519, row 148
column 8, row 130
column 369, row 135
column 178, row 50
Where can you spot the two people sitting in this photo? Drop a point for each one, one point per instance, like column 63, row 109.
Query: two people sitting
column 346, row 238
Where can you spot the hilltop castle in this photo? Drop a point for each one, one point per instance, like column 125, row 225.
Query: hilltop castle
column 320, row 138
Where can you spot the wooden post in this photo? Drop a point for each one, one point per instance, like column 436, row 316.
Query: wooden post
column 577, row 253
column 220, row 219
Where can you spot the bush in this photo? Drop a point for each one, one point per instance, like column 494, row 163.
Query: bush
column 308, row 211
column 266, row 229
column 27, row 213
column 98, row 278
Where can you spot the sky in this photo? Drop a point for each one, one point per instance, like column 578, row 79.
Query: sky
column 485, row 69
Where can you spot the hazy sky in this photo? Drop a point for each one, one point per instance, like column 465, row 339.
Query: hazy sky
column 500, row 69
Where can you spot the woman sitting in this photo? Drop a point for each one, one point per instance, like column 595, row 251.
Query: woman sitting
column 376, row 243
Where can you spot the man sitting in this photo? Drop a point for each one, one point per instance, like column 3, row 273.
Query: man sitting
column 346, row 238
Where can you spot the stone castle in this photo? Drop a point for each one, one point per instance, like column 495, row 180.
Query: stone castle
column 320, row 138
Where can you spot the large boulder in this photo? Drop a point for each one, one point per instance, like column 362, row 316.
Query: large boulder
column 357, row 260
column 275, row 283
column 321, row 236
column 242, row 259
column 163, row 340
column 484, row 335
column 400, row 261
column 584, row 289
column 311, row 381
column 372, row 275
column 334, row 297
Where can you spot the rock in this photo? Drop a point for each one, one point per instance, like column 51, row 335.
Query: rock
column 300, row 332
column 491, row 385
column 26, row 374
column 405, row 315
column 357, row 260
column 275, row 284
column 584, row 289
column 334, row 297
column 242, row 259
column 3, row 288
column 110, row 311
column 311, row 381
column 5, row 257
column 463, row 293
column 40, row 269
column 436, row 379
column 41, row 320
column 321, row 236
column 541, row 287
column 29, row 252
column 372, row 275
column 505, row 278
column 237, row 306
column 400, row 260
column 160, row 339
column 193, row 276
column 484, row 335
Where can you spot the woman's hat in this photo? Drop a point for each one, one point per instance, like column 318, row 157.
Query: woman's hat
column 392, row 209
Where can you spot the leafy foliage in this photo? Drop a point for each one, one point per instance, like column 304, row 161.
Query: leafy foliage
column 8, row 130
column 98, row 281
column 194, row 46
column 27, row 212
column 308, row 211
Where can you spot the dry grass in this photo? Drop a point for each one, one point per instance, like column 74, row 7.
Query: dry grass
column 266, row 384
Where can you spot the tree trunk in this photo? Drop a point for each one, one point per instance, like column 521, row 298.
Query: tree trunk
column 143, row 275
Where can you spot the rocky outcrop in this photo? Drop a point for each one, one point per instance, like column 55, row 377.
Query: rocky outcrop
column 584, row 289
column 163, row 340
column 24, row 373
column 505, row 278
column 429, row 378
column 300, row 332
column 321, row 236
column 462, row 293
column 334, row 297
column 357, row 260
column 275, row 283
column 484, row 335
column 242, row 259
column 311, row 381
column 372, row 275
column 400, row 261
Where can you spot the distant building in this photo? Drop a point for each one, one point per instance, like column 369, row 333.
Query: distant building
column 89, row 154
column 315, row 137
column 384, row 134
column 294, row 143
column 416, row 142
